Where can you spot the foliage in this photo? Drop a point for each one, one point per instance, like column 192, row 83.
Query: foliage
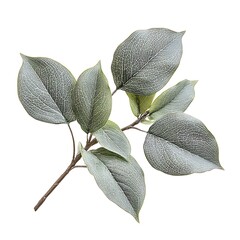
column 176, row 143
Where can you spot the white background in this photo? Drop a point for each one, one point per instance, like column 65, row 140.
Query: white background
column 33, row 154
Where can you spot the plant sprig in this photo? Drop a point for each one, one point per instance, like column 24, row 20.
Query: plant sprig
column 176, row 143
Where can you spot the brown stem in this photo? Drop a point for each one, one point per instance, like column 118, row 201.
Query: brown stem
column 73, row 141
column 139, row 129
column 91, row 143
column 79, row 166
column 78, row 157
column 114, row 91
column 65, row 173
column 140, row 118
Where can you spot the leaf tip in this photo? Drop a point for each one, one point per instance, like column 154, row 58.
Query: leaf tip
column 220, row 167
column 194, row 82
column 183, row 32
column 80, row 148
column 24, row 57
column 137, row 218
column 99, row 64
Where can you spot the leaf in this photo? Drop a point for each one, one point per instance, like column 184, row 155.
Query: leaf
column 121, row 181
column 174, row 99
column 146, row 60
column 111, row 137
column 147, row 121
column 139, row 104
column 92, row 99
column 179, row 144
column 44, row 89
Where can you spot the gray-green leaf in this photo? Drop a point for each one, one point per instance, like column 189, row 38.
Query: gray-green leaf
column 174, row 99
column 146, row 60
column 111, row 137
column 139, row 104
column 179, row 144
column 45, row 88
column 92, row 99
column 121, row 181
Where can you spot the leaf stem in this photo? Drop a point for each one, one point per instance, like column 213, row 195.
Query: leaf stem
column 79, row 166
column 138, row 129
column 73, row 141
column 114, row 91
column 90, row 137
column 76, row 158
column 139, row 119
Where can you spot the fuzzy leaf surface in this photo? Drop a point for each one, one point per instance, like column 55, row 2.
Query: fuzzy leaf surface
column 92, row 99
column 174, row 99
column 111, row 137
column 139, row 104
column 121, row 181
column 146, row 60
column 179, row 144
column 45, row 88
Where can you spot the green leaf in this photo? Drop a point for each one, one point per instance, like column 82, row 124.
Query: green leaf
column 92, row 99
column 111, row 137
column 147, row 121
column 139, row 104
column 121, row 181
column 146, row 60
column 174, row 99
column 44, row 89
column 179, row 144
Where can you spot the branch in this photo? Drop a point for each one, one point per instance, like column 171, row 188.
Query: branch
column 140, row 118
column 72, row 165
column 65, row 173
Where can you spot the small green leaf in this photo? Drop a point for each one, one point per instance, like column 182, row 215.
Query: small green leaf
column 80, row 148
column 139, row 104
column 111, row 137
column 92, row 99
column 174, row 99
column 121, row 181
column 146, row 60
column 179, row 144
column 147, row 121
column 45, row 88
